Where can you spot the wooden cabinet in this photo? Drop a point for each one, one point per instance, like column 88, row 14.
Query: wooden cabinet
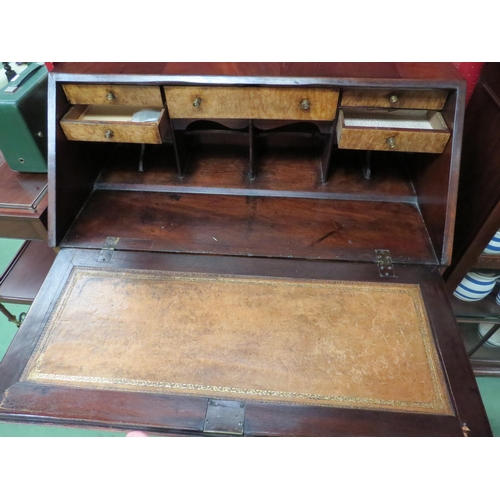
column 478, row 214
column 23, row 204
column 23, row 215
column 250, row 279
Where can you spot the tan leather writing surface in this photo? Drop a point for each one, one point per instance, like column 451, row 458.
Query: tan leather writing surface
column 327, row 343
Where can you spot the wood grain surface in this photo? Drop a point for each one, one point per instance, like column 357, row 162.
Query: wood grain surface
column 23, row 204
column 408, row 99
column 378, row 138
column 433, row 71
column 78, row 129
column 111, row 95
column 293, row 171
column 19, row 190
column 247, row 225
column 252, row 103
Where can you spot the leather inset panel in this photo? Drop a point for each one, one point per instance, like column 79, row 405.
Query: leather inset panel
column 308, row 342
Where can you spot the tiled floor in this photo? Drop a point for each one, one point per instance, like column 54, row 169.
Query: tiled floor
column 489, row 386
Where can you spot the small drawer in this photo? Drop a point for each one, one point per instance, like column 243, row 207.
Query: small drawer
column 387, row 98
column 117, row 95
column 417, row 131
column 267, row 103
column 114, row 124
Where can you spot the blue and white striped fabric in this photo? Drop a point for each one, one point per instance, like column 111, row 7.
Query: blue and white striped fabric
column 475, row 286
column 494, row 245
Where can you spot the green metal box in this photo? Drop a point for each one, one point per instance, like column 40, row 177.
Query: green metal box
column 23, row 120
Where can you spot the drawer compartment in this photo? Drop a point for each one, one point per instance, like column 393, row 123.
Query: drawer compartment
column 114, row 124
column 125, row 95
column 268, row 103
column 390, row 98
column 417, row 131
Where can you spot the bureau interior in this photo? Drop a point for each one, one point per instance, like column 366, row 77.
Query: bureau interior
column 254, row 187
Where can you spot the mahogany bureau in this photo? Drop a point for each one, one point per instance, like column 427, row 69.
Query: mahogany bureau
column 249, row 249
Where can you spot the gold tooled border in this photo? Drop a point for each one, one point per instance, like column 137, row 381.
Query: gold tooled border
column 440, row 405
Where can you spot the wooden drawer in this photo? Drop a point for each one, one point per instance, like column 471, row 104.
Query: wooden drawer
column 113, row 124
column 269, row 103
column 416, row 131
column 390, row 98
column 125, row 95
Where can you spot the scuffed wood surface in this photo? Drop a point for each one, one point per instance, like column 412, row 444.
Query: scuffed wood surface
column 239, row 225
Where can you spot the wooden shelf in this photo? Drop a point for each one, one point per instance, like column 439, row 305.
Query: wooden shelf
column 481, row 310
column 486, row 261
column 265, row 226
column 281, row 172
column 21, row 281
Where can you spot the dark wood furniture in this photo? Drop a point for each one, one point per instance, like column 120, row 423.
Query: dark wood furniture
column 183, row 259
column 23, row 215
column 21, row 280
column 478, row 214
column 23, row 277
column 23, row 204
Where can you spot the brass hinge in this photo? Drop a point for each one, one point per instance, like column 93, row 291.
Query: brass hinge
column 225, row 417
column 108, row 249
column 384, row 263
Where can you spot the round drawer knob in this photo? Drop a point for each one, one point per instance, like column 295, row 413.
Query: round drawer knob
column 110, row 96
column 197, row 102
column 393, row 99
column 108, row 134
column 391, row 142
column 305, row 104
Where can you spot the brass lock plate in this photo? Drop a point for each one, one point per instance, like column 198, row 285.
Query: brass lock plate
column 225, row 417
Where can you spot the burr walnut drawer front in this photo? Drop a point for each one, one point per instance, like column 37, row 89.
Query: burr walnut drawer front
column 390, row 98
column 117, row 95
column 417, row 131
column 115, row 124
column 267, row 103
